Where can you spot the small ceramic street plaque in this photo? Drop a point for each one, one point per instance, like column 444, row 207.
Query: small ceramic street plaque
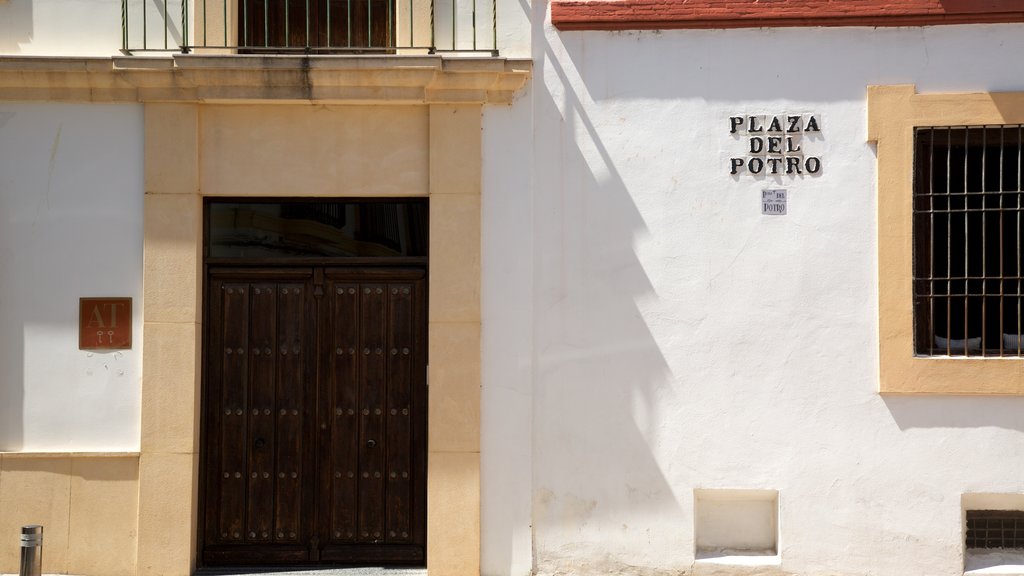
column 773, row 202
column 104, row 323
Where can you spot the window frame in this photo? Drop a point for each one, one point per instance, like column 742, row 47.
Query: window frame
column 893, row 114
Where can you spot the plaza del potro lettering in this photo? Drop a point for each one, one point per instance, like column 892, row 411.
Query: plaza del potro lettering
column 775, row 144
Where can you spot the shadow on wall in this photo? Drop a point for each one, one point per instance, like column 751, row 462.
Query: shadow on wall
column 12, row 375
column 715, row 67
column 12, row 338
column 956, row 412
column 1007, row 104
column 15, row 25
column 601, row 378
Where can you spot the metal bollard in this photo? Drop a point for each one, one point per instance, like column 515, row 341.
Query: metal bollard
column 31, row 550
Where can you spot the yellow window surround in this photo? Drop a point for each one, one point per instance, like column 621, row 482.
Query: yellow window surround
column 893, row 114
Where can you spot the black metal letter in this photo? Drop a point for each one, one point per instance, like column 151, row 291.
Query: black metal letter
column 794, row 124
column 737, row 163
column 793, row 165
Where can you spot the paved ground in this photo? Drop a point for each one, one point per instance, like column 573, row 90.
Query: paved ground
column 317, row 572
column 311, row 572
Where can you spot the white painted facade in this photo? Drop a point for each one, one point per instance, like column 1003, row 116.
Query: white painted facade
column 682, row 341
column 60, row 27
column 70, row 227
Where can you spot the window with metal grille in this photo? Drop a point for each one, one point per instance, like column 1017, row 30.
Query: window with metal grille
column 995, row 529
column 968, row 227
column 320, row 25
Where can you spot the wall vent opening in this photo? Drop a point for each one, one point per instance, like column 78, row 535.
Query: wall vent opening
column 993, row 533
column 736, row 526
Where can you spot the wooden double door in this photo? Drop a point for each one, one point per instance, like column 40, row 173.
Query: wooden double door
column 314, row 431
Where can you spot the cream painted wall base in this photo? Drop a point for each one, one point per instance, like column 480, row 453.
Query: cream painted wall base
column 86, row 503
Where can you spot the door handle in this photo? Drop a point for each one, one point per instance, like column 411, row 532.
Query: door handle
column 371, row 443
column 260, row 443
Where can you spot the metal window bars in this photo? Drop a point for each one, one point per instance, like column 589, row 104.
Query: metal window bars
column 999, row 529
column 309, row 26
column 968, row 276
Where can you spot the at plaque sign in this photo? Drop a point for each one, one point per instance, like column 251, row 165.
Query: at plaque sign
column 104, row 323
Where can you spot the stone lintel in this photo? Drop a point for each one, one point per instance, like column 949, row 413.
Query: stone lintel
column 264, row 78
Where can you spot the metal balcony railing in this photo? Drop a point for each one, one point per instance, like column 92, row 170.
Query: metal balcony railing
column 309, row 26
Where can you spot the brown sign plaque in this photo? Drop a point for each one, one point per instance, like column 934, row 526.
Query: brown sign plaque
column 104, row 323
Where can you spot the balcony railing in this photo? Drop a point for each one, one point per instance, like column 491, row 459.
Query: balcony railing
column 309, row 26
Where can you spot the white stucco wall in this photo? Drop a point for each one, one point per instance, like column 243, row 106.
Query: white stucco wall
column 681, row 340
column 507, row 338
column 60, row 27
column 513, row 28
column 70, row 227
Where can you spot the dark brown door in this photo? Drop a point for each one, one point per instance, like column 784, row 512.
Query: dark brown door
column 314, row 421
column 321, row 24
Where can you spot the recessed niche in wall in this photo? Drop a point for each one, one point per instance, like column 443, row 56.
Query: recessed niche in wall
column 993, row 529
column 736, row 526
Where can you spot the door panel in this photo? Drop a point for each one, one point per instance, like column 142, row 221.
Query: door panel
column 315, row 419
column 401, row 343
column 371, row 396
column 262, row 414
column 295, row 409
column 377, row 415
column 343, row 473
column 232, row 429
